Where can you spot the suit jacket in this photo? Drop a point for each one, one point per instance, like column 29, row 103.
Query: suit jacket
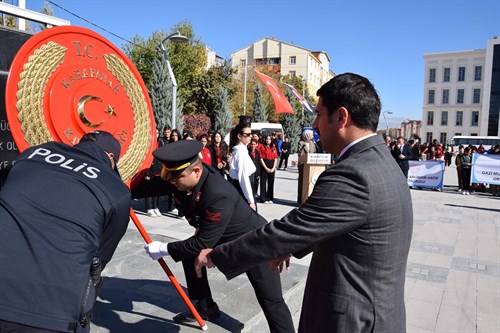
column 358, row 223
column 403, row 163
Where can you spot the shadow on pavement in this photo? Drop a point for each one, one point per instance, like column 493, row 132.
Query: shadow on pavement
column 116, row 303
column 474, row 207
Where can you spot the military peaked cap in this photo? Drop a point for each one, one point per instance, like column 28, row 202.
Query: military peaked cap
column 177, row 156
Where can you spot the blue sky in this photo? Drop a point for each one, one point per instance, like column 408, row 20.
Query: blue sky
column 383, row 40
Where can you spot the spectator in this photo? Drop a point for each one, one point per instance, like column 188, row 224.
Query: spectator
column 241, row 166
column 151, row 203
column 402, row 154
column 458, row 164
column 268, row 162
column 219, row 151
column 285, row 153
column 306, row 146
column 255, row 156
column 466, row 163
column 205, row 153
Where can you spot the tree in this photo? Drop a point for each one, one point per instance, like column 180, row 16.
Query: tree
column 291, row 125
column 206, row 89
column 188, row 60
column 161, row 94
column 47, row 10
column 223, row 116
column 259, row 107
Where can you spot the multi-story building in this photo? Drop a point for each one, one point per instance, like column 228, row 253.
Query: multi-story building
column 213, row 59
column 411, row 129
column 286, row 59
column 462, row 93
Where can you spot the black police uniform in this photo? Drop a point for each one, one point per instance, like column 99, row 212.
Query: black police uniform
column 220, row 215
column 59, row 207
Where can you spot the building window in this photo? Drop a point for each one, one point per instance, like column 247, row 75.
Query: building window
column 475, row 118
column 243, row 63
column 446, row 96
column 432, row 75
column 446, row 74
column 292, row 73
column 473, row 134
column 444, row 118
column 430, row 118
column 461, row 73
column 460, row 118
column 478, row 73
column 431, row 97
column 293, row 60
column 458, row 134
column 442, row 138
column 428, row 136
column 476, row 98
column 460, row 96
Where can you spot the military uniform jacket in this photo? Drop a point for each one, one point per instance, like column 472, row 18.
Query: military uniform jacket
column 217, row 211
column 59, row 207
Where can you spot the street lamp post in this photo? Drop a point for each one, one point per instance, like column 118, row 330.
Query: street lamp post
column 386, row 124
column 176, row 37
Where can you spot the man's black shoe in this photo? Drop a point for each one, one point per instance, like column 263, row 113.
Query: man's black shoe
column 206, row 313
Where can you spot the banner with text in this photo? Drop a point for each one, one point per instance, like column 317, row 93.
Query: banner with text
column 426, row 174
column 486, row 169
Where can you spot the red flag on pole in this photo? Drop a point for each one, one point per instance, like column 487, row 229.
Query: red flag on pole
column 280, row 101
column 301, row 98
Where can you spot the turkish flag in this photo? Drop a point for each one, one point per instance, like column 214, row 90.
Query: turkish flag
column 280, row 101
column 301, row 99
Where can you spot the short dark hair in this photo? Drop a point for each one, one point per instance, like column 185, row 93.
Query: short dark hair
column 355, row 93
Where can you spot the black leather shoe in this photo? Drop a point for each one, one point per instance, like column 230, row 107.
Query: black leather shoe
column 206, row 313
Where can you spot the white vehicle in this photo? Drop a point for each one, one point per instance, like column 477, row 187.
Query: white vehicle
column 266, row 128
column 463, row 140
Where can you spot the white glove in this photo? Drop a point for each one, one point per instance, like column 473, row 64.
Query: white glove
column 156, row 250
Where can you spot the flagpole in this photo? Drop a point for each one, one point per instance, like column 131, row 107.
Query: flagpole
column 245, row 87
column 303, row 95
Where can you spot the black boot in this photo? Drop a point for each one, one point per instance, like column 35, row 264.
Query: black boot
column 206, row 313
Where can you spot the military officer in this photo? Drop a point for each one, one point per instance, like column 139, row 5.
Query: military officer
column 219, row 214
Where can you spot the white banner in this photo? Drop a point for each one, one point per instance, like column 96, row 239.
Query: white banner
column 427, row 174
column 486, row 169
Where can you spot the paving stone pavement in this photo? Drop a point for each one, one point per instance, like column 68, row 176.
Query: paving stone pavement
column 452, row 281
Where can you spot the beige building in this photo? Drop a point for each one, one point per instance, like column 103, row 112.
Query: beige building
column 460, row 93
column 286, row 59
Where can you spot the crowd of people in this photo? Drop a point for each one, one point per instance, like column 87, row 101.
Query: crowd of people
column 404, row 151
column 267, row 153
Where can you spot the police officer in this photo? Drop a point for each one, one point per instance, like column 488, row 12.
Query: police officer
column 63, row 210
column 219, row 214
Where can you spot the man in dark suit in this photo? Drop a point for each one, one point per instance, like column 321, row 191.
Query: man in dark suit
column 357, row 222
column 402, row 154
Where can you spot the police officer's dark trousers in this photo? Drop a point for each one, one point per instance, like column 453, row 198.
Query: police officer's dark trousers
column 267, row 287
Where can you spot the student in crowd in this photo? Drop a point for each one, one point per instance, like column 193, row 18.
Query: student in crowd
column 219, row 151
column 268, row 162
column 466, row 164
column 458, row 164
column 255, row 156
column 205, row 153
column 241, row 167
